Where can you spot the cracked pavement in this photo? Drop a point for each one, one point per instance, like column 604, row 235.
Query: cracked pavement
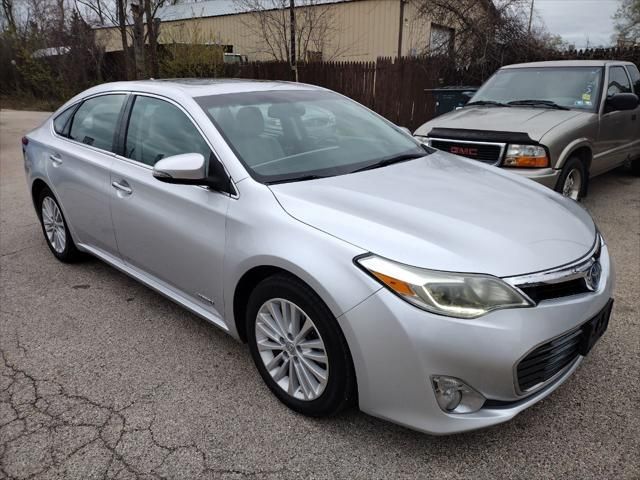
column 102, row 378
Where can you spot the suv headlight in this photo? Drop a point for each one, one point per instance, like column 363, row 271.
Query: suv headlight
column 531, row 156
column 461, row 295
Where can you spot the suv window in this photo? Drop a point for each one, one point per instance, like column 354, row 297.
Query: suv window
column 635, row 77
column 618, row 81
column 61, row 121
column 94, row 123
column 158, row 129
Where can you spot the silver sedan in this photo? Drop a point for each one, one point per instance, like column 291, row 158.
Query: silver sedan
column 360, row 266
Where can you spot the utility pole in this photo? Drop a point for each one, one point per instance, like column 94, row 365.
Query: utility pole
column 530, row 17
column 292, row 20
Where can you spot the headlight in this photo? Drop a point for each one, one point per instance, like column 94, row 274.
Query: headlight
column 461, row 295
column 526, row 156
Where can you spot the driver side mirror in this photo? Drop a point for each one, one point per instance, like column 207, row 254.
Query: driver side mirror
column 621, row 102
column 190, row 169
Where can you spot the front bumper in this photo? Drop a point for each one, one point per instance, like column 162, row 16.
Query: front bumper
column 546, row 176
column 397, row 347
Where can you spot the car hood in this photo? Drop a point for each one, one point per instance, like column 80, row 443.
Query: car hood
column 533, row 121
column 446, row 213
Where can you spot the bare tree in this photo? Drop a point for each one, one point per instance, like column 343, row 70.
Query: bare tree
column 485, row 33
column 627, row 23
column 270, row 22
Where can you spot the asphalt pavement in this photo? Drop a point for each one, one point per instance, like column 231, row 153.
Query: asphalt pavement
column 100, row 377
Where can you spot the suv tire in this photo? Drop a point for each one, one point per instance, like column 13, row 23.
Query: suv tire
column 573, row 179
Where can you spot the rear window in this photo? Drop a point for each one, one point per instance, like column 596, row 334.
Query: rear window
column 94, row 123
column 61, row 122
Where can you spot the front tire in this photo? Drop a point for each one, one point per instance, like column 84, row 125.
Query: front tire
column 55, row 229
column 573, row 179
column 298, row 347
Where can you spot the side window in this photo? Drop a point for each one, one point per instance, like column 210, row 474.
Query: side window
column 158, row 129
column 618, row 81
column 60, row 123
column 95, row 121
column 635, row 77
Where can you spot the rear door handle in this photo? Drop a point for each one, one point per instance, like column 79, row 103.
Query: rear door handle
column 123, row 186
column 55, row 158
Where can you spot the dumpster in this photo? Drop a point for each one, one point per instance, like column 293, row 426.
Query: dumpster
column 450, row 98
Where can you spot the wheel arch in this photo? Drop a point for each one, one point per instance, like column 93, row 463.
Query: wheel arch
column 580, row 148
column 37, row 187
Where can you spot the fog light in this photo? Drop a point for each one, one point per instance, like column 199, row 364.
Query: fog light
column 455, row 396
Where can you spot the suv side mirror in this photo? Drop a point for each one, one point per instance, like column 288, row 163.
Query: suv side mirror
column 622, row 101
column 190, row 169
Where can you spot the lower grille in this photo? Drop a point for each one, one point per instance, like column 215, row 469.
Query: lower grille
column 549, row 359
column 483, row 152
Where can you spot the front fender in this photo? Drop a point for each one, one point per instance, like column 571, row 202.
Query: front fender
column 322, row 261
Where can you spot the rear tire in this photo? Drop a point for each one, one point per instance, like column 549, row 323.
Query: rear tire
column 55, row 229
column 573, row 179
column 292, row 362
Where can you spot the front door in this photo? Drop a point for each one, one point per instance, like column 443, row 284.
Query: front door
column 173, row 234
column 616, row 127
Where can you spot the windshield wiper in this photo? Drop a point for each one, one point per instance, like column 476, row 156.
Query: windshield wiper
column 298, row 179
column 390, row 161
column 486, row 102
column 543, row 103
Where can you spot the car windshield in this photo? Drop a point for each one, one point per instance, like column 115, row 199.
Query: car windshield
column 301, row 134
column 545, row 87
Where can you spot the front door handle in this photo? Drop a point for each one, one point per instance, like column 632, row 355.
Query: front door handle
column 55, row 158
column 123, row 186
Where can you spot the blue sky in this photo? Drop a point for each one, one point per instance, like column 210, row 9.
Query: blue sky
column 578, row 21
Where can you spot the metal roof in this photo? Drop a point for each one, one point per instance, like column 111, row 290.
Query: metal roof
column 219, row 8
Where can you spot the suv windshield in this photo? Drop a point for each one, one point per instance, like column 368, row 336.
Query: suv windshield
column 296, row 135
column 544, row 87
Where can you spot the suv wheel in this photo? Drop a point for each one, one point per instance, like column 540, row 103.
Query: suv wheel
column 55, row 229
column 298, row 347
column 573, row 179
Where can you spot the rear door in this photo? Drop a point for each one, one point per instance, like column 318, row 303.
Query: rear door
column 616, row 127
column 634, row 74
column 79, row 167
column 172, row 234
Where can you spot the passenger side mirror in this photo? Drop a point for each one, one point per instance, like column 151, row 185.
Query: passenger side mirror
column 190, row 169
column 622, row 101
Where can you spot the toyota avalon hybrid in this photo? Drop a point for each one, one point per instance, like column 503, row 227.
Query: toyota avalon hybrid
column 360, row 266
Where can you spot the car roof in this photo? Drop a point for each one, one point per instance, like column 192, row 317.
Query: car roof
column 568, row 63
column 198, row 87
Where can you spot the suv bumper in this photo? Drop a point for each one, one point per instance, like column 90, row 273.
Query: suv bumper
column 546, row 176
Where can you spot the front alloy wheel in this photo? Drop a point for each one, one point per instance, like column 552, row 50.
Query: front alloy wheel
column 298, row 347
column 572, row 184
column 292, row 349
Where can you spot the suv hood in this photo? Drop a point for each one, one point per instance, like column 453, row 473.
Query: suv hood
column 446, row 213
column 533, row 121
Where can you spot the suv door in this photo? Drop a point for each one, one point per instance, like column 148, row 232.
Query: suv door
column 79, row 166
column 173, row 235
column 616, row 127
column 634, row 74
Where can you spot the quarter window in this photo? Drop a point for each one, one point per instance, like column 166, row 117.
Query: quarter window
column 94, row 123
column 618, row 81
column 158, row 129
column 61, row 121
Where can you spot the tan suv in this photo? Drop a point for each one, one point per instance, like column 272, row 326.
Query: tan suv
column 558, row 123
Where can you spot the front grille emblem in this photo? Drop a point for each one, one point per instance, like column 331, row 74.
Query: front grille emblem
column 592, row 278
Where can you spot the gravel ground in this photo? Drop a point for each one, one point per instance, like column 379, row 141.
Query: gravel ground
column 103, row 378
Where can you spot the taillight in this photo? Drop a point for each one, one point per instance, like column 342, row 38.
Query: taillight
column 25, row 141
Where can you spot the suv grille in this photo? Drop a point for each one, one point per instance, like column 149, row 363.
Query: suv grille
column 548, row 359
column 486, row 153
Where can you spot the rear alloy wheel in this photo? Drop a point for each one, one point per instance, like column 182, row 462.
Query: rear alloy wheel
column 298, row 347
column 55, row 228
column 573, row 179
